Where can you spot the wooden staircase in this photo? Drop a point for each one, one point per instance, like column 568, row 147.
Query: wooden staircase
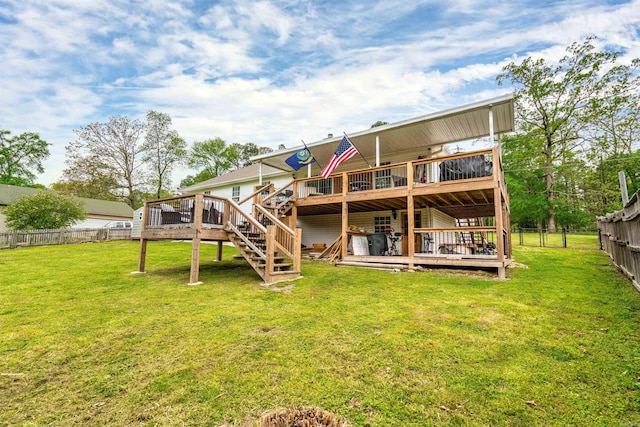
column 272, row 248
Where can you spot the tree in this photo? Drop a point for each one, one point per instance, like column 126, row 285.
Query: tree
column 163, row 149
column 20, row 157
column 210, row 155
column 554, row 105
column 89, row 177
column 115, row 150
column 45, row 209
column 379, row 123
column 239, row 155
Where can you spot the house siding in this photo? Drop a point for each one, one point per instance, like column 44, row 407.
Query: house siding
column 246, row 188
column 327, row 228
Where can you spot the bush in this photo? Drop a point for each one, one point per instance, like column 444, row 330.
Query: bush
column 44, row 210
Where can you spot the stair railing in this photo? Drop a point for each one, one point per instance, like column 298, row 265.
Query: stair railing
column 280, row 197
column 282, row 238
column 241, row 224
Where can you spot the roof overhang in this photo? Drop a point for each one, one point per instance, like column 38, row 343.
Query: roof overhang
column 408, row 139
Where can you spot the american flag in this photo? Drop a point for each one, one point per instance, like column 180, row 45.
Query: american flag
column 345, row 151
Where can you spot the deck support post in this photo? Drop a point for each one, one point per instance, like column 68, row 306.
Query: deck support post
column 345, row 217
column 411, row 223
column 219, row 257
column 143, row 255
column 195, row 241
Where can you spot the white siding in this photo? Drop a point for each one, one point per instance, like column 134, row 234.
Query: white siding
column 136, row 230
column 326, row 228
column 246, row 188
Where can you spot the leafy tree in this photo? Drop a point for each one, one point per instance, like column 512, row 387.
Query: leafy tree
column 89, row 177
column 379, row 123
column 524, row 173
column 554, row 105
column 211, row 156
column 45, row 209
column 114, row 149
column 239, row 155
column 163, row 150
column 20, row 156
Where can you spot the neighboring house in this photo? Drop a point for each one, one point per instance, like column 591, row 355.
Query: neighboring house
column 239, row 184
column 99, row 212
column 404, row 200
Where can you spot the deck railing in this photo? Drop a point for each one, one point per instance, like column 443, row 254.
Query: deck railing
column 179, row 212
column 457, row 167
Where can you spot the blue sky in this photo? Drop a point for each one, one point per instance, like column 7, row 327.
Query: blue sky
column 275, row 71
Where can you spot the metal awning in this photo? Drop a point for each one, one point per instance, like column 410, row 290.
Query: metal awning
column 406, row 140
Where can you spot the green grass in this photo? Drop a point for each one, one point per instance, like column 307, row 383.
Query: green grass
column 575, row 240
column 83, row 342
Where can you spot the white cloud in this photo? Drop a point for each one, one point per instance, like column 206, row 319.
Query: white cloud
column 273, row 71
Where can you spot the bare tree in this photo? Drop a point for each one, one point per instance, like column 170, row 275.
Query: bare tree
column 117, row 147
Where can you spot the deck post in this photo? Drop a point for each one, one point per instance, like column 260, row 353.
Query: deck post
column 142, row 257
column 219, row 257
column 297, row 250
column 345, row 217
column 411, row 224
column 195, row 241
column 270, row 253
column 411, row 244
column 497, row 194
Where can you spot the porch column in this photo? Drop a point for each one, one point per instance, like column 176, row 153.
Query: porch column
column 377, row 150
column 411, row 246
column 497, row 195
column 309, row 170
column 345, row 216
column 491, row 124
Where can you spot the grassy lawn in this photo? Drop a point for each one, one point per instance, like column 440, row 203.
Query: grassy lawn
column 83, row 342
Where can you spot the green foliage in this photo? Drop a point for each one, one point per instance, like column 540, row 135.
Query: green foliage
column 87, row 343
column 214, row 157
column 569, row 114
column 163, row 149
column 379, row 123
column 20, row 156
column 43, row 210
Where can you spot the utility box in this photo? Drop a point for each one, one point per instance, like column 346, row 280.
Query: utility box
column 377, row 244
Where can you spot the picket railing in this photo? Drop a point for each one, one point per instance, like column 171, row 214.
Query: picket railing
column 13, row 239
column 620, row 238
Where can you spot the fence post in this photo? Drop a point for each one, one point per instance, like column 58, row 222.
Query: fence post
column 520, row 232
column 564, row 237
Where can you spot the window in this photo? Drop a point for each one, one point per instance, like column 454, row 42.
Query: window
column 381, row 223
column 235, row 193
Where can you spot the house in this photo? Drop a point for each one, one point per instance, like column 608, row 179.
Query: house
column 99, row 212
column 403, row 201
column 238, row 184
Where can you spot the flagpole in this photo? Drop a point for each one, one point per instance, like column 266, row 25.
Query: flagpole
column 354, row 146
column 307, row 148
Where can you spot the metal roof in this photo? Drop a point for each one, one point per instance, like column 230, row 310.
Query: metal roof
column 408, row 139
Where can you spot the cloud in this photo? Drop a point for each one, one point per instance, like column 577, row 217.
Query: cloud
column 274, row 71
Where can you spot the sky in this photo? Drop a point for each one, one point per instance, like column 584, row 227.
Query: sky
column 275, row 71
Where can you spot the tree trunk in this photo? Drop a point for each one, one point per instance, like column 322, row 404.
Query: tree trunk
column 548, row 177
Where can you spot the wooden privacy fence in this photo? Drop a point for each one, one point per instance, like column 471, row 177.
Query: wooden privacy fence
column 620, row 238
column 13, row 239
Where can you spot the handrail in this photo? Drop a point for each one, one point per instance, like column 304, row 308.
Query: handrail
column 249, row 218
column 275, row 220
column 255, row 193
column 280, row 190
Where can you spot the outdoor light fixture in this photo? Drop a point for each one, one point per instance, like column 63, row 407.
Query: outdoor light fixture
column 394, row 213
